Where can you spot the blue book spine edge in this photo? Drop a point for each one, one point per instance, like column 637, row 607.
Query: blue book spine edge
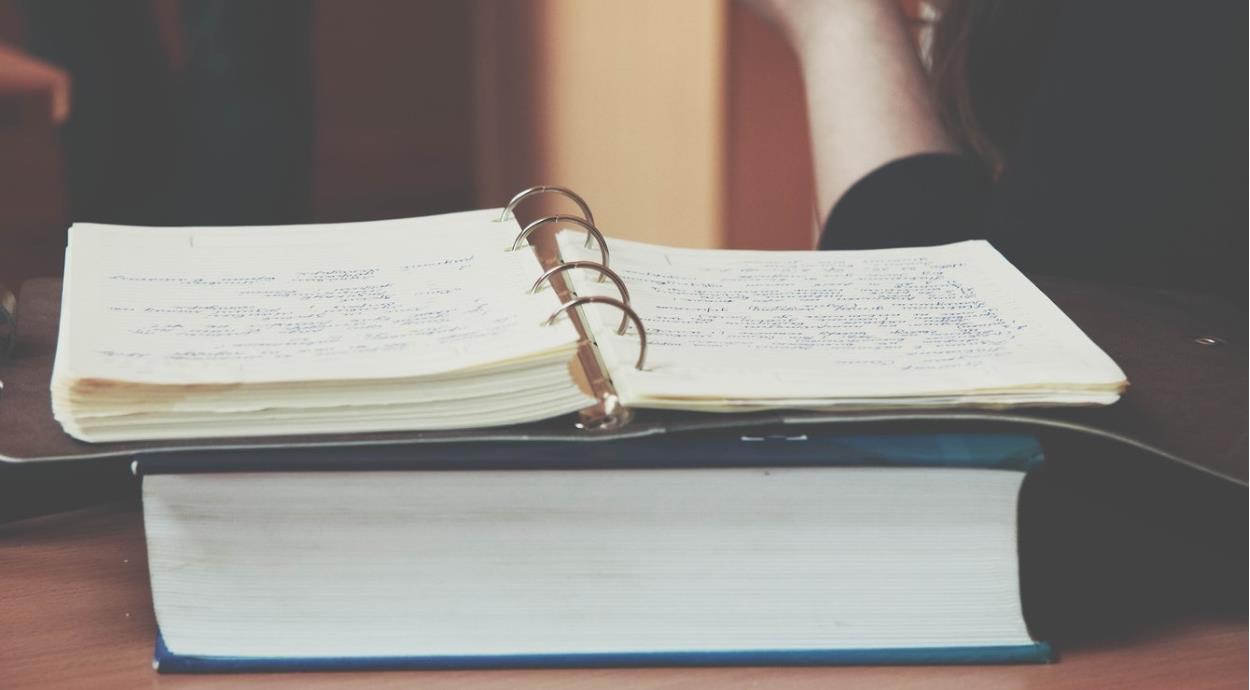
column 166, row 661
column 1018, row 452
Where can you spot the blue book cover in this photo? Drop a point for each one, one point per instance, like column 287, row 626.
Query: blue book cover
column 166, row 661
column 792, row 449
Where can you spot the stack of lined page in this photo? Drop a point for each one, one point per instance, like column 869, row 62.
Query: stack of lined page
column 203, row 332
column 429, row 323
column 918, row 327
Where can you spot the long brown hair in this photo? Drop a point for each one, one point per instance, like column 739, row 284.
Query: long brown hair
column 985, row 60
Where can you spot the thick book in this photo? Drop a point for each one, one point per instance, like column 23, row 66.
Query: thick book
column 458, row 322
column 694, row 549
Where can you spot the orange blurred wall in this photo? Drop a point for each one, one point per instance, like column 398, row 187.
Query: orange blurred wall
column 624, row 104
column 680, row 122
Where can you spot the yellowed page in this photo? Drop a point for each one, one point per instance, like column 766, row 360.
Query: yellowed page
column 389, row 299
column 906, row 326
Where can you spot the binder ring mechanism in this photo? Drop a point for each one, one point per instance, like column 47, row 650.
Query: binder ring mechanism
column 601, row 270
column 544, row 189
column 8, row 324
column 591, row 231
column 612, row 301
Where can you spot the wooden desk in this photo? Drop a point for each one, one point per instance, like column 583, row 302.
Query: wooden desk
column 75, row 611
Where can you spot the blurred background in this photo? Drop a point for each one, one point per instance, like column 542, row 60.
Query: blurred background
column 680, row 122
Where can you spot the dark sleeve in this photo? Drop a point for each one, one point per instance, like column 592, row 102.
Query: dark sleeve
column 926, row 199
column 1127, row 167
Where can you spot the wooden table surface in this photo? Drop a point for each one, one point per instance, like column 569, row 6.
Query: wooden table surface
column 75, row 611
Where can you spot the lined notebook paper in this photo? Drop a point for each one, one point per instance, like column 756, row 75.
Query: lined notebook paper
column 926, row 326
column 429, row 323
column 391, row 325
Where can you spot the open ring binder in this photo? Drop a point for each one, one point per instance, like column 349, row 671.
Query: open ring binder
column 608, row 413
column 629, row 313
column 602, row 270
column 543, row 189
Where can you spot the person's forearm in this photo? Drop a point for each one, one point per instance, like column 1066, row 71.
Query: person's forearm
column 867, row 93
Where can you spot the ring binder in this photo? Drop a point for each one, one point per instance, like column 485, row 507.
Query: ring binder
column 591, row 230
column 603, row 270
column 607, row 414
column 629, row 312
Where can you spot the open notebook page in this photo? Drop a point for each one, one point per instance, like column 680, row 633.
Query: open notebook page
column 384, row 299
column 817, row 328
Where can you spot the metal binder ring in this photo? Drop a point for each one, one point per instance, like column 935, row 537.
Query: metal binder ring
column 542, row 189
column 591, row 230
column 8, row 321
column 629, row 312
column 602, row 270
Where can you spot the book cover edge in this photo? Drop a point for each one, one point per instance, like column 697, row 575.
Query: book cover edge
column 167, row 661
column 1006, row 451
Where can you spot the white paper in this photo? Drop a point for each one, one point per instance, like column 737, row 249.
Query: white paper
column 749, row 327
column 298, row 303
